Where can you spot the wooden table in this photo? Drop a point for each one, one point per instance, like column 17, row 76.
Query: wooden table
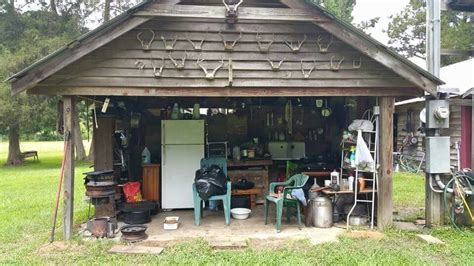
column 254, row 170
column 253, row 192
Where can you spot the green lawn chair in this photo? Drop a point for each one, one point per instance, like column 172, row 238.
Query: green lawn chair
column 295, row 182
column 222, row 163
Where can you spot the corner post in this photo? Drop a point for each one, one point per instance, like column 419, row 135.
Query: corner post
column 385, row 186
column 69, row 105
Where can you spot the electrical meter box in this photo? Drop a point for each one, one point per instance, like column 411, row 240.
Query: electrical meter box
column 437, row 114
column 438, row 155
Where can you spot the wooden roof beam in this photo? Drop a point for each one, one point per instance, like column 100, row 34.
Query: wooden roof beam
column 226, row 91
column 217, row 12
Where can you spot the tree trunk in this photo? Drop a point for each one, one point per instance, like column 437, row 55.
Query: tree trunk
column 14, row 157
column 52, row 5
column 80, row 151
column 106, row 14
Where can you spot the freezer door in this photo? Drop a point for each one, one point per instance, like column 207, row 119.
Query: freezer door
column 182, row 132
column 180, row 163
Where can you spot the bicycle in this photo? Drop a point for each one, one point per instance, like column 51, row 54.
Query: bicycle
column 407, row 163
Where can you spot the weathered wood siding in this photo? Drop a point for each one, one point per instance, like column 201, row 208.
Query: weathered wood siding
column 115, row 64
column 417, row 151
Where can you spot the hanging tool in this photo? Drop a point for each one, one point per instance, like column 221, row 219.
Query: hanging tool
column 67, row 138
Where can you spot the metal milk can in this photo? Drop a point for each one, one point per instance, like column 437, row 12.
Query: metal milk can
column 322, row 212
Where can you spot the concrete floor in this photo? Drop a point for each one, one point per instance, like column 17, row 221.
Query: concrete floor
column 213, row 228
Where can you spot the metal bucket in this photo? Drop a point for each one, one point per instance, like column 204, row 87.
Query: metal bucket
column 322, row 212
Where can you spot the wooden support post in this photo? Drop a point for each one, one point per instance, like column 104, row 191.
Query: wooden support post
column 384, row 203
column 472, row 131
column 69, row 106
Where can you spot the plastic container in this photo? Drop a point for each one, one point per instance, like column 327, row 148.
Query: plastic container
column 240, row 213
column 171, row 223
column 146, row 156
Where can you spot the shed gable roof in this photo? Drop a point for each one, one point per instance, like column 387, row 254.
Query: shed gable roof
column 44, row 68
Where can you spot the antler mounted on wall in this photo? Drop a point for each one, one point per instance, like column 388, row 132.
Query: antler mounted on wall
column 276, row 66
column 231, row 10
column 336, row 67
column 264, row 46
column 157, row 71
column 140, row 64
column 146, row 45
column 296, row 47
column 324, row 48
column 210, row 75
column 198, row 45
column 177, row 64
column 169, row 45
column 307, row 74
column 229, row 45
column 357, row 64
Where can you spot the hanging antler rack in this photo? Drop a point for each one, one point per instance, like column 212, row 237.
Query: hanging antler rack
column 146, row 45
column 229, row 45
column 337, row 66
column 177, row 64
column 210, row 75
column 307, row 74
column 296, row 47
column 264, row 46
column 198, row 45
column 324, row 48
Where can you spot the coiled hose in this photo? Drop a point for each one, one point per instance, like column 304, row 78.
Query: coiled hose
column 459, row 181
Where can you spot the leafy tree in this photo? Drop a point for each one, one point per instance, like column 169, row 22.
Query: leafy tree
column 407, row 31
column 341, row 8
column 27, row 37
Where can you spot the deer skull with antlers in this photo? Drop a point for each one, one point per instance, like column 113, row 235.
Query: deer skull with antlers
column 177, row 64
column 210, row 75
column 276, row 66
column 307, row 74
column 228, row 45
column 296, row 47
column 337, row 66
column 146, row 45
column 263, row 46
column 196, row 46
column 157, row 71
column 169, row 45
column 324, row 48
column 231, row 10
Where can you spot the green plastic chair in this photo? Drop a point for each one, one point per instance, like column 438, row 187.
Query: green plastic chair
column 222, row 163
column 295, row 182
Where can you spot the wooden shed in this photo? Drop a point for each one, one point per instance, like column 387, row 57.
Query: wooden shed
column 253, row 59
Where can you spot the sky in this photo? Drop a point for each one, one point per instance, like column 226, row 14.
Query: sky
column 368, row 9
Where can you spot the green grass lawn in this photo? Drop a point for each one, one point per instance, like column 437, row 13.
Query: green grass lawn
column 27, row 195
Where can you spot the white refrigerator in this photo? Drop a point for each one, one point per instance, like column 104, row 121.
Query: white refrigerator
column 182, row 148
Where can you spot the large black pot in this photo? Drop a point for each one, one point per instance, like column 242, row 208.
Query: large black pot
column 137, row 217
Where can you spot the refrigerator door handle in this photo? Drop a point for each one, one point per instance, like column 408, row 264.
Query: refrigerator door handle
column 163, row 133
column 164, row 155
